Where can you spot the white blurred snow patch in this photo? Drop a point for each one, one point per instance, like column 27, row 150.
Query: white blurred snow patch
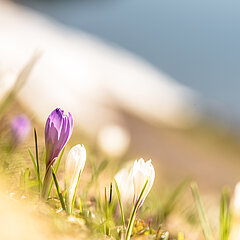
column 113, row 140
column 235, row 205
column 83, row 75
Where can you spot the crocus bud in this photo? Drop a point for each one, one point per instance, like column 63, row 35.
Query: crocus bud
column 124, row 179
column 20, row 127
column 58, row 130
column 74, row 166
column 142, row 171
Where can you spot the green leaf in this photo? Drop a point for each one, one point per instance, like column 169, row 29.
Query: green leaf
column 37, row 160
column 106, row 213
column 103, row 165
column 203, row 219
column 79, row 203
column 120, row 203
column 133, row 215
column 33, row 161
column 174, row 197
column 26, row 179
column 58, row 189
column 96, row 174
column 110, row 195
column 56, row 169
column 75, row 192
column 224, row 215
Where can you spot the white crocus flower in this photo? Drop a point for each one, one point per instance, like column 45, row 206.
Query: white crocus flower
column 124, row 181
column 142, row 171
column 74, row 166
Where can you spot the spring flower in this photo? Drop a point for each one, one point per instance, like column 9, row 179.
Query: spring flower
column 74, row 166
column 124, row 179
column 142, row 171
column 143, row 174
column 58, row 130
column 20, row 127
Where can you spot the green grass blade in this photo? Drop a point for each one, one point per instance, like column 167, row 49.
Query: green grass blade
column 33, row 161
column 56, row 169
column 224, row 215
column 96, row 173
column 106, row 212
column 102, row 166
column 37, row 159
column 75, row 192
column 26, row 179
column 203, row 219
column 58, row 189
column 59, row 159
column 174, row 197
column 80, row 206
column 110, row 195
column 36, row 148
column 120, row 203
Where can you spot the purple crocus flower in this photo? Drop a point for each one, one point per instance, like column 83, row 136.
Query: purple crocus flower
column 58, row 130
column 20, row 127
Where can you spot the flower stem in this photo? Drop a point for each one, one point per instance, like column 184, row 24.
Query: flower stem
column 46, row 183
column 133, row 215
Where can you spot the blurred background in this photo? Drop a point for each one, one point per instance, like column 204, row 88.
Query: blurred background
column 142, row 78
column 163, row 75
column 196, row 43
